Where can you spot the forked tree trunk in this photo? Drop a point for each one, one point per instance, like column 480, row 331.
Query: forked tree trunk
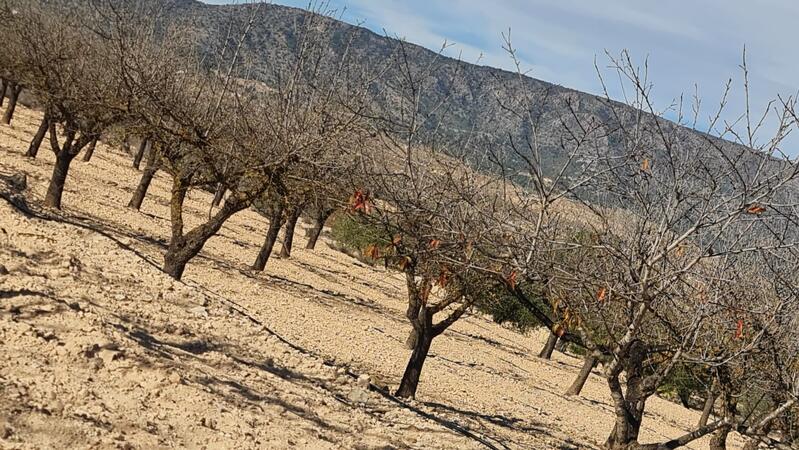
column 140, row 153
column 275, row 221
column 13, row 96
column 144, row 183
column 318, row 226
column 38, row 138
column 413, row 371
column 87, row 155
column 589, row 363
column 184, row 247
column 219, row 194
column 549, row 346
column 288, row 236
column 629, row 403
column 60, row 170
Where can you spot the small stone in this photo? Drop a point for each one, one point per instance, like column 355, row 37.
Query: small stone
column 175, row 378
column 109, row 355
column 364, row 380
column 3, row 270
column 358, row 395
column 120, row 297
column 199, row 311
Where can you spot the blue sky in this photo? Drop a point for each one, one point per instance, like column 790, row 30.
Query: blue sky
column 687, row 43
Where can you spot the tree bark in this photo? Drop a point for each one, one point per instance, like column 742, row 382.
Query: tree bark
column 318, row 226
column 219, row 194
column 144, row 183
column 3, row 90
column 628, row 403
column 288, row 236
column 38, row 138
column 413, row 371
column 719, row 439
column 275, row 221
column 410, row 342
column 87, row 155
column 16, row 89
column 140, row 153
column 589, row 363
column 546, row 351
column 184, row 247
column 56, row 188
column 708, row 408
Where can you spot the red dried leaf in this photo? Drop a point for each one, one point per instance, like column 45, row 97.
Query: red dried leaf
column 435, row 243
column 739, row 329
column 512, row 279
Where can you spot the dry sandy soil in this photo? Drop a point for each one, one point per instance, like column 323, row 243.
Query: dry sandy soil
column 99, row 349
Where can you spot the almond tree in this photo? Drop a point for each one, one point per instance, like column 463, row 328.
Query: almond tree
column 678, row 214
column 66, row 67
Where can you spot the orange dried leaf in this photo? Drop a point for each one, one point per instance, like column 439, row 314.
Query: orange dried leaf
column 512, row 279
column 559, row 330
column 397, row 239
column 405, row 261
column 601, row 295
column 372, row 251
column 756, row 209
column 739, row 329
column 645, row 165
column 435, row 243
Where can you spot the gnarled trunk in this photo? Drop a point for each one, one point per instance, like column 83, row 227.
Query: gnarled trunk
column 60, row 170
column 549, row 346
column 275, row 221
column 87, row 155
column 589, row 363
column 318, row 226
column 15, row 90
column 184, row 247
column 38, row 138
column 628, row 403
column 288, row 236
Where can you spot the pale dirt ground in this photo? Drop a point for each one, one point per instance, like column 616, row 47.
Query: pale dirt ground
column 99, row 349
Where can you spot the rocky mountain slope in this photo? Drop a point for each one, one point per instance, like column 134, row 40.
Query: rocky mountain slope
column 99, row 349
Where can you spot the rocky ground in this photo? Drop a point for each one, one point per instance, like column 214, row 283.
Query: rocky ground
column 99, row 349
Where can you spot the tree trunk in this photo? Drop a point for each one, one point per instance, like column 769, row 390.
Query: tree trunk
column 546, row 351
column 87, row 155
column 628, row 403
column 219, row 194
column 144, row 183
column 12, row 103
column 719, row 439
column 588, row 365
column 3, row 90
column 182, row 248
column 410, row 342
column 410, row 379
column 708, row 409
column 140, row 153
column 318, row 226
column 288, row 236
column 562, row 345
column 275, row 221
column 59, row 178
column 38, row 138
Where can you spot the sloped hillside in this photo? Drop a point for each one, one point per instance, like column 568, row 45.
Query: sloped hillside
column 99, row 349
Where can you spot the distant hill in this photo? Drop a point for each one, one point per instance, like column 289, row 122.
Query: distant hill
column 472, row 105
